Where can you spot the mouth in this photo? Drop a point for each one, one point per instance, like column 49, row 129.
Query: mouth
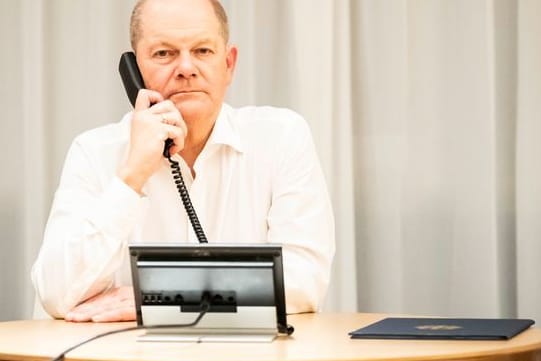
column 185, row 92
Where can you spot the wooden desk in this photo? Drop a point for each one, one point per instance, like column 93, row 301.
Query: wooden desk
column 317, row 337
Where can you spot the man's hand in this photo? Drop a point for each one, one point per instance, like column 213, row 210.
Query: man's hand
column 117, row 304
column 150, row 127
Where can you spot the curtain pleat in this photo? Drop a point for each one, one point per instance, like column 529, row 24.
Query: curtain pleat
column 426, row 117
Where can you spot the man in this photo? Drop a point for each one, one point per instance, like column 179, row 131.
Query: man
column 252, row 173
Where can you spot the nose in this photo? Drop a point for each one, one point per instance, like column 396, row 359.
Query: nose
column 185, row 66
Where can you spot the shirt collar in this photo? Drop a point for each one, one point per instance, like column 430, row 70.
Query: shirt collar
column 224, row 131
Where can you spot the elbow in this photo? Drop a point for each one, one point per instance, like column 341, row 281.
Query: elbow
column 52, row 307
column 47, row 305
column 306, row 295
column 299, row 301
column 306, row 279
column 51, row 299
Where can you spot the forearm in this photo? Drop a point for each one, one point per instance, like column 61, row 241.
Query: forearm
column 84, row 244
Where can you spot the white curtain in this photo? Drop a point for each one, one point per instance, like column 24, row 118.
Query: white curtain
column 425, row 114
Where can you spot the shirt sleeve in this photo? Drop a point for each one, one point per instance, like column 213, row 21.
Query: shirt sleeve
column 301, row 219
column 86, row 235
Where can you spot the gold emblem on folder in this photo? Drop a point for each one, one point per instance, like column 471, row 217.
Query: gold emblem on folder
column 438, row 327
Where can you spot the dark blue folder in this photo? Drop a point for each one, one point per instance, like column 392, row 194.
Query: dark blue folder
column 443, row 328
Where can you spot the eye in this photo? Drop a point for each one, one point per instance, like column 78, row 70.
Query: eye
column 162, row 54
column 203, row 51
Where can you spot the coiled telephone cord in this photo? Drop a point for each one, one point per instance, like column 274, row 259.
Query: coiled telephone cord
column 183, row 192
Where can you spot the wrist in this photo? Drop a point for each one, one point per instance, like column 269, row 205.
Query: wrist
column 134, row 180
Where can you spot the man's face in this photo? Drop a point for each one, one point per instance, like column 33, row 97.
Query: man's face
column 182, row 54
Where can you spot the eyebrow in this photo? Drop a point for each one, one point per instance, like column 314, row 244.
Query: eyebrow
column 205, row 41
column 196, row 43
column 162, row 43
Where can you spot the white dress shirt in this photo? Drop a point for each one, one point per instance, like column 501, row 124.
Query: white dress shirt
column 258, row 180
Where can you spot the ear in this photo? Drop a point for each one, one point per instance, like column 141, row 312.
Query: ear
column 231, row 61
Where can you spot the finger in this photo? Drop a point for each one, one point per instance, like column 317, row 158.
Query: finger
column 98, row 300
column 105, row 313
column 177, row 134
column 126, row 313
column 95, row 309
column 84, row 312
column 75, row 316
column 164, row 106
column 175, row 119
column 146, row 97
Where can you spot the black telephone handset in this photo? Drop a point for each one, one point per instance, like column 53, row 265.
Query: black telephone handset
column 133, row 82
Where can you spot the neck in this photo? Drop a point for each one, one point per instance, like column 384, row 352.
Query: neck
column 194, row 143
column 199, row 129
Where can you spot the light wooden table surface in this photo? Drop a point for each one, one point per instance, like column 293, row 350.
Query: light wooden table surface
column 321, row 336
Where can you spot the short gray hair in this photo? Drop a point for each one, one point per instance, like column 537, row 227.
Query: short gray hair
column 135, row 21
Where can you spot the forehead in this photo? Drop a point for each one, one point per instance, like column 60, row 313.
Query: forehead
column 178, row 18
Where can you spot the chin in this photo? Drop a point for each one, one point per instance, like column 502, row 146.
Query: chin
column 192, row 111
